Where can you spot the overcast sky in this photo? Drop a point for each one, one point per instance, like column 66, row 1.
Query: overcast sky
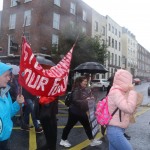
column 132, row 14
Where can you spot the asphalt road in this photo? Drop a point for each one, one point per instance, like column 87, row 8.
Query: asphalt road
column 139, row 131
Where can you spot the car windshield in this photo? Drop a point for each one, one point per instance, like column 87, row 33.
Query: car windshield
column 95, row 81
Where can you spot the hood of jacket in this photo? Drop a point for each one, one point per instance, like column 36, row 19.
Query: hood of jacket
column 122, row 80
column 4, row 68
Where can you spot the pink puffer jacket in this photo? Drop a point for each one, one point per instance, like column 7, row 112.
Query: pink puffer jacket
column 122, row 96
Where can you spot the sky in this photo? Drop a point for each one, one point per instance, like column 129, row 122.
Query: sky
column 132, row 14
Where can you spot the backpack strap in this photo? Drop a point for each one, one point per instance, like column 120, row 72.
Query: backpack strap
column 117, row 108
column 114, row 111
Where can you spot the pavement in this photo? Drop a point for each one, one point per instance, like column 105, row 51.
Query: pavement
column 139, row 131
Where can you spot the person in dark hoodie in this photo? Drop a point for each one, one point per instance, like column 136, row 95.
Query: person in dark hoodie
column 7, row 108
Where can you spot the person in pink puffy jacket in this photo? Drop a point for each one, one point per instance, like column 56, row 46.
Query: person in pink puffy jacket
column 123, row 96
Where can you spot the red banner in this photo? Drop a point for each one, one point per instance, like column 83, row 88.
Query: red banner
column 39, row 81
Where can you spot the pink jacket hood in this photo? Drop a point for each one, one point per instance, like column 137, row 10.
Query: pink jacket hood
column 123, row 96
column 122, row 80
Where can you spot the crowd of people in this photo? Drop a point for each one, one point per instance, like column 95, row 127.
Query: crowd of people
column 124, row 97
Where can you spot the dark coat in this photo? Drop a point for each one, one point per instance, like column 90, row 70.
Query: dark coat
column 79, row 103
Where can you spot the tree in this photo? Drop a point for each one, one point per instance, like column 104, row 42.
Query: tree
column 86, row 48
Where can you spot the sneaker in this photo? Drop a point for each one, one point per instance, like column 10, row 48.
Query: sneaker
column 95, row 142
column 39, row 130
column 65, row 143
column 25, row 128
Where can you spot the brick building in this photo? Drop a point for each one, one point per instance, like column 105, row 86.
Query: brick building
column 41, row 21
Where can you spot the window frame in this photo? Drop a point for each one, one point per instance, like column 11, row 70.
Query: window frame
column 12, row 21
column 57, row 2
column 27, row 14
column 56, row 21
column 72, row 8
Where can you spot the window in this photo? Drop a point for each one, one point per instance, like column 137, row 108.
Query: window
column 27, row 1
column 13, row 3
column 27, row 18
column 109, row 27
column 109, row 41
column 96, row 26
column 84, row 15
column 73, row 8
column 83, row 30
column 119, row 46
column 119, row 61
column 103, row 30
column 112, row 43
column 119, row 34
column 115, row 44
column 116, row 59
column 12, row 21
column 56, row 21
column 109, row 57
column 112, row 59
column 115, row 31
column 72, row 24
column 57, row 2
column 55, row 40
column 112, row 29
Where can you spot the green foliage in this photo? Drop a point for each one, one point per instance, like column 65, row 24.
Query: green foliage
column 86, row 48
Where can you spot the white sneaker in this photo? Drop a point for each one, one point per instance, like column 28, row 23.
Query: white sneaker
column 65, row 143
column 95, row 142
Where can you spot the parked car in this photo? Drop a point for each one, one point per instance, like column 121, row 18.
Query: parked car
column 148, row 79
column 101, row 83
column 137, row 81
column 149, row 90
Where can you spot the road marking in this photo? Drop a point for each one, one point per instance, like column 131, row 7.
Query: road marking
column 32, row 137
column 32, row 134
column 85, row 143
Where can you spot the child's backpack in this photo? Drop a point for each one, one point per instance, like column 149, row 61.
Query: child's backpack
column 102, row 112
column 68, row 99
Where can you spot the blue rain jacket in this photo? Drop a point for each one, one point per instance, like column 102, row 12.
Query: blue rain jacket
column 7, row 108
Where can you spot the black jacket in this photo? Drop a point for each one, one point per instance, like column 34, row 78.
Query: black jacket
column 79, row 103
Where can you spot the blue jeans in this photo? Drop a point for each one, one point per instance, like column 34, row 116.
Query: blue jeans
column 30, row 109
column 117, row 140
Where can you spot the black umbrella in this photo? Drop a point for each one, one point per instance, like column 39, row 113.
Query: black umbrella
column 91, row 67
column 43, row 61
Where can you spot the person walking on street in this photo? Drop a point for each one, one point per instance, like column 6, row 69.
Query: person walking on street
column 77, row 112
column 125, row 98
column 29, row 109
column 108, row 89
column 7, row 108
column 48, row 109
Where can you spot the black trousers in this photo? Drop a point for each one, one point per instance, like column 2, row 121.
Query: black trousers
column 4, row 145
column 49, row 124
column 72, row 120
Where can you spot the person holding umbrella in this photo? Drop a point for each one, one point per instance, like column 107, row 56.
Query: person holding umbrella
column 7, row 108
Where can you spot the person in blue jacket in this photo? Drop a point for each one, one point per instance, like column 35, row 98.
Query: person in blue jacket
column 7, row 108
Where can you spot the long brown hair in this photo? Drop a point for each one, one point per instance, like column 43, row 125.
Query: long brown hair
column 78, row 81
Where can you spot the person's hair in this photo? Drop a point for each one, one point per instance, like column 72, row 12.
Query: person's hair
column 78, row 81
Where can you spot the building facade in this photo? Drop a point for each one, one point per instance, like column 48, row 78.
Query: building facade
column 143, row 62
column 41, row 21
column 129, row 51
